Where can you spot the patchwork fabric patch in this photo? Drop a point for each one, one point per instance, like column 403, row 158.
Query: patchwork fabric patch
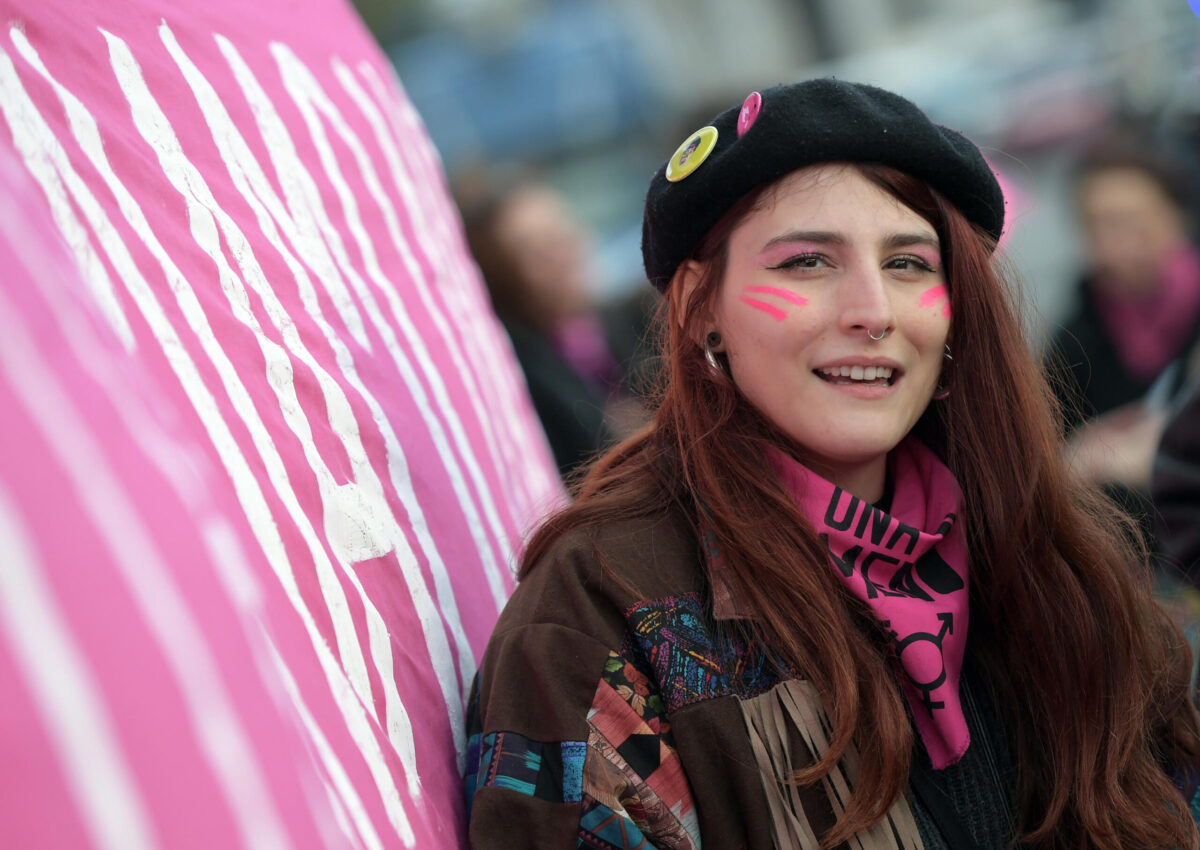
column 551, row 771
column 631, row 769
column 601, row 828
column 688, row 659
column 631, row 680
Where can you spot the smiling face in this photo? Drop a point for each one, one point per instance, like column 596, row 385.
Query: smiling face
column 822, row 261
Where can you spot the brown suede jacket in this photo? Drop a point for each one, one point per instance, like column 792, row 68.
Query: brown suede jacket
column 612, row 709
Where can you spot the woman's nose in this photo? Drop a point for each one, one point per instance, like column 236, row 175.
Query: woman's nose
column 866, row 303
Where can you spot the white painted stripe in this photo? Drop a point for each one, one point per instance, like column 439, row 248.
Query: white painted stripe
column 351, row 804
column 310, row 99
column 43, row 165
column 229, row 563
column 505, row 385
column 251, row 181
column 369, row 502
column 339, row 793
column 176, row 461
column 87, row 134
column 341, row 820
column 16, row 102
column 68, row 698
column 430, row 241
column 471, row 298
column 355, row 500
column 156, row 130
column 407, row 125
column 224, row 742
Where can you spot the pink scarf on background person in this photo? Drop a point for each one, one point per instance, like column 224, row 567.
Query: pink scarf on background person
column 909, row 566
column 1149, row 331
column 581, row 342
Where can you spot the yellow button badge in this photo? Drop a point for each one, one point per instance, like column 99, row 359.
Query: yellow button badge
column 691, row 154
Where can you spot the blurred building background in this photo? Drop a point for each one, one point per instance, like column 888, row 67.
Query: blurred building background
column 597, row 93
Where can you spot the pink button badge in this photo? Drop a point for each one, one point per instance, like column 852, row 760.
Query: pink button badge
column 749, row 113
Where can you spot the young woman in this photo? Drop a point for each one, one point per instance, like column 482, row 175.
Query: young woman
column 842, row 591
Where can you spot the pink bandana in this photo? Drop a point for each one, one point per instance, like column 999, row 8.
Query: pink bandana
column 910, row 567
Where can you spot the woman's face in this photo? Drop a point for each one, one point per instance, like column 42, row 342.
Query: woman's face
column 549, row 253
column 825, row 259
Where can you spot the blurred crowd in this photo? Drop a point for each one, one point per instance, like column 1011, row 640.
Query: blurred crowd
column 1126, row 362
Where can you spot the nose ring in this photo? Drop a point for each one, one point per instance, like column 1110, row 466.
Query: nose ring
column 882, row 334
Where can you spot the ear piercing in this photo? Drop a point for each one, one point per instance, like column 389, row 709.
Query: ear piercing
column 712, row 340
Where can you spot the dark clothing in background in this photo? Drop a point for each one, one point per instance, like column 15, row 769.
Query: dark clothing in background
column 1087, row 372
column 571, row 411
column 572, row 406
column 1090, row 379
column 1176, row 488
column 627, row 324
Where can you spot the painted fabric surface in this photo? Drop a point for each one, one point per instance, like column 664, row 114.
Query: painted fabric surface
column 910, row 566
column 266, row 453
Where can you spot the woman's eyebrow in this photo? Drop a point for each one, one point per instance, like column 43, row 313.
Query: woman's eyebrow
column 827, row 237
column 821, row 237
column 902, row 240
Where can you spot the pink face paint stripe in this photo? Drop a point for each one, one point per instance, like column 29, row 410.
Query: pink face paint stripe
column 785, row 294
column 777, row 314
column 933, row 295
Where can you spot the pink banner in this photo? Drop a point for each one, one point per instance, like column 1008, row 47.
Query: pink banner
column 266, row 455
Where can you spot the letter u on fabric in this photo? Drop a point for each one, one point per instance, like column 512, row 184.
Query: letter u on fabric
column 910, row 566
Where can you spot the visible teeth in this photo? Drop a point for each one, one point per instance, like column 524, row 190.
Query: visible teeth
column 859, row 373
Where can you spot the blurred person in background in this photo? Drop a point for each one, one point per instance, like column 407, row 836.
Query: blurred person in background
column 842, row 590
column 1136, row 326
column 583, row 363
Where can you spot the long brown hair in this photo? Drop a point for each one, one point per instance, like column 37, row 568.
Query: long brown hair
column 1091, row 678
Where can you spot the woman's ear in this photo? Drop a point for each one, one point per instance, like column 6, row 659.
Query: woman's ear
column 683, row 287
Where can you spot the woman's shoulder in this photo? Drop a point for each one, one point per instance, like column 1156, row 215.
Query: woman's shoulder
column 590, row 576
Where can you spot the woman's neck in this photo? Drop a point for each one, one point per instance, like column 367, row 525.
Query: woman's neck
column 865, row 480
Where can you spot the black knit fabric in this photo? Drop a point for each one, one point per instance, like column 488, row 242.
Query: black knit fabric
column 802, row 124
column 978, row 791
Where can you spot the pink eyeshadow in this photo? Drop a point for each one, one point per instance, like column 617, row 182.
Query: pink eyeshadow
column 929, row 258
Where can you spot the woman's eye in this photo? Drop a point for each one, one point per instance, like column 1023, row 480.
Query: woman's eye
column 909, row 263
column 802, row 261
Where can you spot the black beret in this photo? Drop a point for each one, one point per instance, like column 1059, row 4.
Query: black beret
column 801, row 124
